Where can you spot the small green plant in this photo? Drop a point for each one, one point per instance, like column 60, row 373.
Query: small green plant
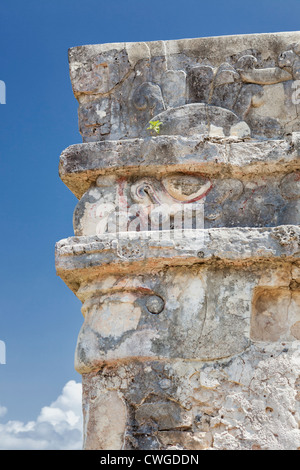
column 155, row 126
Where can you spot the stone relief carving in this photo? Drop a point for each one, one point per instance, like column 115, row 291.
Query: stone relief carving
column 240, row 87
column 161, row 318
column 244, row 84
column 141, row 204
column 147, row 97
column 188, row 341
column 174, row 88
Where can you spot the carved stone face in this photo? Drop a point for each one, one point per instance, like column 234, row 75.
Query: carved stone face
column 203, row 95
column 185, row 187
column 149, row 203
column 137, row 203
column 173, row 314
column 186, row 254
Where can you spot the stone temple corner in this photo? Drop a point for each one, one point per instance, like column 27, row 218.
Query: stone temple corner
column 186, row 245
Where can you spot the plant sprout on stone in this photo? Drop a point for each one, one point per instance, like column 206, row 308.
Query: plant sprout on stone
column 154, row 126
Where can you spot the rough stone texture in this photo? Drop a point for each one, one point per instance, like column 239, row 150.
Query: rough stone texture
column 250, row 75
column 251, row 200
column 85, row 258
column 249, row 402
column 81, row 164
column 186, row 254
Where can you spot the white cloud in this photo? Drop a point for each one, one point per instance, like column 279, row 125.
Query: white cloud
column 3, row 411
column 58, row 426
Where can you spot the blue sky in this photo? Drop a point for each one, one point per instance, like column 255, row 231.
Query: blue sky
column 39, row 316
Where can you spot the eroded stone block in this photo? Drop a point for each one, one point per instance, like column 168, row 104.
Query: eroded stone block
column 246, row 75
column 250, row 404
column 173, row 315
column 275, row 314
column 106, row 422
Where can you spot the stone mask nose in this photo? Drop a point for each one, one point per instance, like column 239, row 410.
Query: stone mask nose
column 108, row 322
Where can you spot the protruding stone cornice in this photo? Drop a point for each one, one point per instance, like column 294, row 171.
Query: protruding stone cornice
column 81, row 164
column 79, row 259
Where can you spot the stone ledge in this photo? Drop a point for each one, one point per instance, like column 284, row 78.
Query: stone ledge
column 82, row 258
column 81, row 164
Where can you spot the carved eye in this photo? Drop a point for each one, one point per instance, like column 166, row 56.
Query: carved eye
column 155, row 304
column 186, row 187
column 146, row 189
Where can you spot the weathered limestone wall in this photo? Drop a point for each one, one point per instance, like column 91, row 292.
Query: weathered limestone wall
column 187, row 242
